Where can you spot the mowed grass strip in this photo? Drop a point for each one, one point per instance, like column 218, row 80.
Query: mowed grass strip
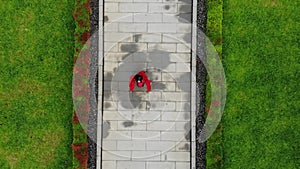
column 36, row 59
column 261, row 57
column 214, row 33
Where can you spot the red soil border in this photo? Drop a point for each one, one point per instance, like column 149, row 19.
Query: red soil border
column 82, row 34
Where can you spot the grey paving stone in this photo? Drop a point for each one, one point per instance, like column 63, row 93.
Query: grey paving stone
column 147, row 0
column 147, row 115
column 183, row 146
column 111, row 27
column 183, row 106
column 184, row 28
column 176, row 37
column 146, row 155
column 160, row 145
column 156, row 77
column 170, row 68
column 132, row 48
column 183, row 87
column 162, row 28
column 116, row 155
column 148, row 37
column 118, row 0
column 131, row 145
column 111, row 7
column 109, row 105
column 161, row 165
column 133, row 27
column 176, row 76
column 162, row 8
column 182, row 165
column 133, row 7
column 182, row 126
column 172, row 135
column 173, row 96
column 111, row 47
column 109, row 164
column 183, row 48
column 169, row 106
column 185, row 8
column 132, row 126
column 113, row 115
column 177, row 156
column 170, row 86
column 183, row 67
column 160, row 126
column 176, row 116
column 130, row 165
column 170, row 18
column 119, row 17
column 147, row 17
column 118, row 135
column 146, row 135
column 111, row 125
column 117, row 57
column 109, row 145
column 122, row 76
column 162, row 46
column 118, row 37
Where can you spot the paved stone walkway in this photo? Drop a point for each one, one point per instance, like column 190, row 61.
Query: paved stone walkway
column 141, row 130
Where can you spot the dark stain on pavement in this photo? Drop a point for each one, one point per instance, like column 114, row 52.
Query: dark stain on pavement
column 137, row 37
column 184, row 18
column 106, row 18
column 187, row 37
column 185, row 147
column 158, row 85
column 187, row 126
column 128, row 123
column 140, row 106
column 167, row 7
column 106, row 127
column 187, row 116
column 185, row 8
column 186, row 77
column 185, row 14
column 185, row 1
column 130, row 48
column 187, row 107
column 107, row 77
column 188, row 136
column 107, row 105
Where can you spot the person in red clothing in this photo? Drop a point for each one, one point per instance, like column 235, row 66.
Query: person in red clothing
column 140, row 79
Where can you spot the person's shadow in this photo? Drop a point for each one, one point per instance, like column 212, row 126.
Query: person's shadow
column 152, row 63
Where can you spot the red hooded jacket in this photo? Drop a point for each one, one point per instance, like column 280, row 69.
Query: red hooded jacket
column 145, row 80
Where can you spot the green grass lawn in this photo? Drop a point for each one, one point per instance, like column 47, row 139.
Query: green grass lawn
column 36, row 58
column 214, row 33
column 261, row 57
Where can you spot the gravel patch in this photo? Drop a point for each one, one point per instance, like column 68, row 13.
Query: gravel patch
column 201, row 83
column 93, row 81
